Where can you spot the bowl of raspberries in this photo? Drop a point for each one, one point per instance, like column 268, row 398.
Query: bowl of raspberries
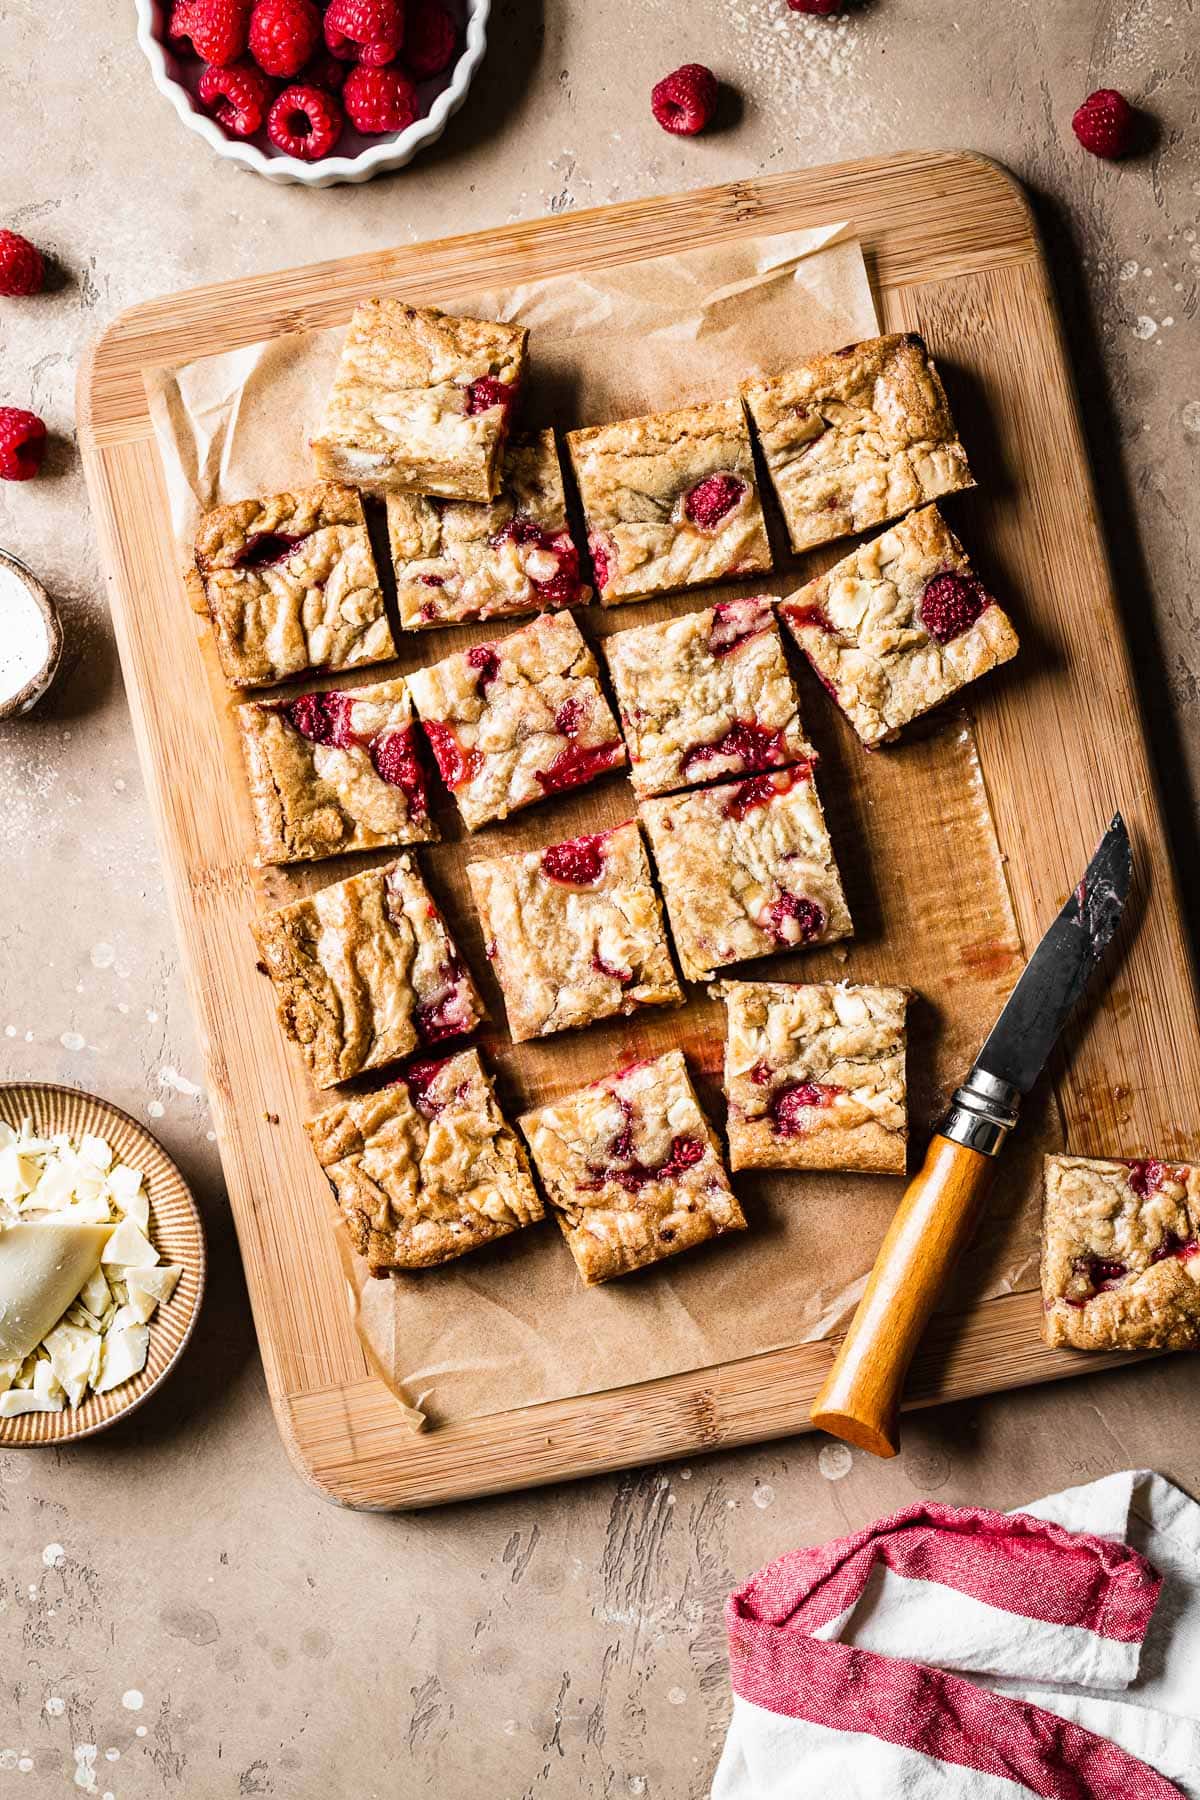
column 314, row 91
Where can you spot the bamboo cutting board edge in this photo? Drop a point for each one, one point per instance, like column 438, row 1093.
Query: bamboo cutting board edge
column 924, row 219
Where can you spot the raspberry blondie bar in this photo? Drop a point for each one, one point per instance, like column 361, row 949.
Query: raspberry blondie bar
column 421, row 401
column 857, row 437
column 899, row 625
column 365, row 971
column 514, row 720
column 289, row 583
column 815, row 1075
column 426, row 1169
column 706, row 696
column 746, row 869
column 574, row 932
column 671, row 501
column 632, row 1169
column 337, row 771
column 456, row 561
column 1121, row 1254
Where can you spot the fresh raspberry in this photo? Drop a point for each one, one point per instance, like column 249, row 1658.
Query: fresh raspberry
column 323, row 70
column 305, row 122
column 579, row 862
column 1100, row 1272
column 429, row 39
column 1106, row 124
column 569, row 716
column 22, row 444
column 455, row 765
column 738, row 622
column 598, row 551
column 820, row 9
column 794, row 920
column 950, row 605
column 747, row 745
column 242, row 94
column 283, row 35
column 419, row 1078
column 709, row 501
column 1145, row 1178
column 486, row 392
column 216, row 28
column 370, row 31
column 379, row 100
column 760, row 790
column 685, row 100
column 22, row 270
column 262, row 549
column 397, row 761
column 321, row 718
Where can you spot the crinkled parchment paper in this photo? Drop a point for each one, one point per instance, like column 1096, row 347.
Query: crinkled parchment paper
column 911, row 827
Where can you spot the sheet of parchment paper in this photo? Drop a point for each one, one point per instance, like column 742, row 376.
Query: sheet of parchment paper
column 911, row 827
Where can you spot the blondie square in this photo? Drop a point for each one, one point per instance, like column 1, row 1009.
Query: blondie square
column 899, row 625
column 746, row 869
column 814, row 1075
column 706, row 696
column 670, row 500
column 516, row 719
column 456, row 561
column 1121, row 1254
column 365, row 971
column 857, row 437
column 336, row 771
column 632, row 1169
column 421, row 401
column 426, row 1169
column 574, row 932
column 289, row 583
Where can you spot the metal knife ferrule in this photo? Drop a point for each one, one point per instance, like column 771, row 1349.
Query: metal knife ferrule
column 982, row 1113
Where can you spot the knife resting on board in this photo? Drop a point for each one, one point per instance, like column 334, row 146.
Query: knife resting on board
column 860, row 1398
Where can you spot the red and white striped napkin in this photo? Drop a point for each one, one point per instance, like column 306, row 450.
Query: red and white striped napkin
column 970, row 1655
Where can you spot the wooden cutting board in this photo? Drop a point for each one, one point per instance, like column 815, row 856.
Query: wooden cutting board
column 953, row 251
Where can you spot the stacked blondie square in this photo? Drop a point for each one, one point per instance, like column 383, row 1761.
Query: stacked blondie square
column 725, row 857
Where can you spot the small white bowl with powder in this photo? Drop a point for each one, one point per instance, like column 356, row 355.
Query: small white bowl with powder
column 30, row 638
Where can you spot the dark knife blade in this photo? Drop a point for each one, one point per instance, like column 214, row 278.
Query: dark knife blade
column 1057, row 972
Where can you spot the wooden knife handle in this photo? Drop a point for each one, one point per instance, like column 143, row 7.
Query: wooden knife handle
column 860, row 1399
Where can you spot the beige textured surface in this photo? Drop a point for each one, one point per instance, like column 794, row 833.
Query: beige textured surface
column 569, row 1641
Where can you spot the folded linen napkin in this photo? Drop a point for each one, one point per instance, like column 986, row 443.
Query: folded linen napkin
column 970, row 1655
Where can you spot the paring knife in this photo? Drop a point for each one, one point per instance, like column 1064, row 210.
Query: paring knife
column 860, row 1400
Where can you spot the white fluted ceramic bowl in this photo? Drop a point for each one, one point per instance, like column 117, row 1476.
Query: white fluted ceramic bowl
column 358, row 157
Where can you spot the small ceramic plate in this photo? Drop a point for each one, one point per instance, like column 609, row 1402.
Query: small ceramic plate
column 357, row 158
column 177, row 1234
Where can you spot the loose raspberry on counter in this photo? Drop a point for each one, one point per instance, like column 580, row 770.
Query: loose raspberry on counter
column 237, row 97
column 22, row 270
column 370, row 30
column 22, row 444
column 284, row 34
column 379, row 100
column 1106, row 124
column 216, row 28
column 684, row 101
column 820, row 9
column 429, row 39
column 305, row 122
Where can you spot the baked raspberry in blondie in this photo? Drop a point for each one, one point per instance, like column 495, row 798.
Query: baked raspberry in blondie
column 857, row 437
column 671, row 501
column 365, row 971
column 289, row 583
column 335, row 771
column 421, row 402
column 1121, row 1254
column 899, row 625
column 514, row 720
column 706, row 696
column 574, row 932
column 814, row 1075
column 746, row 869
column 632, row 1169
column 426, row 1169
column 456, row 561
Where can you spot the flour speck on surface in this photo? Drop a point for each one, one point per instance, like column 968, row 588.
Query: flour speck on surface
column 103, row 956
column 85, row 1774
column 835, row 1461
column 764, row 1495
column 156, row 1109
column 55, row 1706
column 133, row 1700
column 71, row 1040
column 54, row 1556
column 677, row 1696
column 171, row 1078
column 1144, row 327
